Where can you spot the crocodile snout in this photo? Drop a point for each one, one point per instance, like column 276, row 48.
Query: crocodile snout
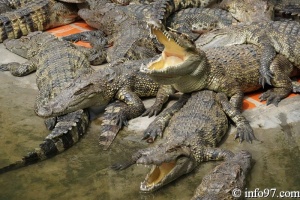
column 44, row 111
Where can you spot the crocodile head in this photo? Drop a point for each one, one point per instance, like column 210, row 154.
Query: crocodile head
column 179, row 57
column 86, row 91
column 249, row 10
column 236, row 34
column 62, row 14
column 27, row 46
column 168, row 162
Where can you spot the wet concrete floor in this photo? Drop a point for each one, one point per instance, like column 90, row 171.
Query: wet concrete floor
column 83, row 172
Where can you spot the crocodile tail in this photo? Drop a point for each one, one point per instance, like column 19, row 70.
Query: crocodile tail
column 29, row 18
column 290, row 11
column 68, row 131
column 111, row 124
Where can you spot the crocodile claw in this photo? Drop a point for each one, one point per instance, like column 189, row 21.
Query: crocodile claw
column 270, row 97
column 152, row 132
column 120, row 119
column 4, row 67
column 121, row 166
column 265, row 78
column 152, row 111
column 245, row 132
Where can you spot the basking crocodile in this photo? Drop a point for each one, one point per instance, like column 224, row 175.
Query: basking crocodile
column 272, row 37
column 226, row 179
column 126, row 28
column 37, row 15
column 57, row 63
column 262, row 10
column 199, row 20
column 233, row 70
column 189, row 139
column 249, row 10
column 122, row 82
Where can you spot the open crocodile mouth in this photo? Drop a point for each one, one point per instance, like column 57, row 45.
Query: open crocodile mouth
column 156, row 176
column 166, row 172
column 172, row 55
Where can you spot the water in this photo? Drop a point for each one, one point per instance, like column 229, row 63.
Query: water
column 83, row 172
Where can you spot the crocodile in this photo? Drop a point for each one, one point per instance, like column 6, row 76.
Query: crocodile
column 190, row 138
column 262, row 10
column 36, row 15
column 121, row 82
column 226, row 179
column 46, row 54
column 272, row 37
column 57, row 63
column 126, row 28
column 195, row 21
column 249, row 10
column 233, row 70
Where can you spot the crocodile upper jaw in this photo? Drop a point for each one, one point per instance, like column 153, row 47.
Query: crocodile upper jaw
column 167, row 172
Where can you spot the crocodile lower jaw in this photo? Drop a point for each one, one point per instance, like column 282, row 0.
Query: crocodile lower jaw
column 166, row 172
column 155, row 178
column 166, row 60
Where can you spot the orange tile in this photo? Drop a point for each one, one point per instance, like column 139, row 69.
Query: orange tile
column 83, row 25
column 85, row 44
column 255, row 96
column 248, row 105
column 69, row 29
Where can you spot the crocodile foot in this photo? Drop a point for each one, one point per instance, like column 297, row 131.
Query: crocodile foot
column 153, row 130
column 245, row 132
column 265, row 77
column 50, row 123
column 4, row 67
column 127, row 163
column 118, row 119
column 153, row 110
column 270, row 97
column 121, row 165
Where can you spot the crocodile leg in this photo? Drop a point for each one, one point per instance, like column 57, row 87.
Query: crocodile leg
column 117, row 114
column 97, row 54
column 281, row 68
column 161, row 121
column 216, row 154
column 265, row 62
column 244, row 130
column 18, row 69
column 135, row 104
column 161, row 97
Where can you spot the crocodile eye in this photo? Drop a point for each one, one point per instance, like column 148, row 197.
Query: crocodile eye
column 91, row 96
column 85, row 88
